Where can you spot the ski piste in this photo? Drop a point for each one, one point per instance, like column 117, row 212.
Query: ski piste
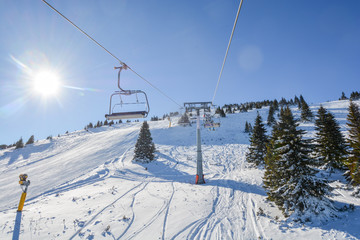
column 84, row 185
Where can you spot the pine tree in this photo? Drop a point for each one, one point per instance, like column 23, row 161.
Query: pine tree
column 250, row 128
column 343, row 96
column 258, row 141
column 276, row 105
column 247, row 130
column 289, row 180
column 184, row 119
column 306, row 114
column 31, row 140
column 330, row 148
column 353, row 140
column 228, row 109
column 19, row 144
column 217, row 111
column 144, row 147
column 271, row 118
column 283, row 102
column 220, row 111
column 301, row 100
column 354, row 95
column 297, row 101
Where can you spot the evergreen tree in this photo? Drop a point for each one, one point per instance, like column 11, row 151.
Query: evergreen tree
column 247, row 130
column 283, row 102
column 296, row 101
column 106, row 122
column 19, row 144
column 276, row 105
column 330, row 148
column 258, row 141
column 301, row 100
column 154, row 118
column 289, row 180
column 343, row 97
column 243, row 108
column 353, row 140
column 306, row 114
column 250, row 128
column 271, row 118
column 144, row 147
column 217, row 111
column 184, row 119
column 228, row 109
column 220, row 111
column 355, row 95
column 31, row 140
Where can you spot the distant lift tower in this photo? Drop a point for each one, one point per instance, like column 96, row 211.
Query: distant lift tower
column 189, row 107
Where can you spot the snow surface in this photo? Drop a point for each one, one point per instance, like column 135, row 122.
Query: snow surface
column 84, row 185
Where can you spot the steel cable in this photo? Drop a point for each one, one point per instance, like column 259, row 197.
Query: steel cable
column 121, row 62
column 227, row 51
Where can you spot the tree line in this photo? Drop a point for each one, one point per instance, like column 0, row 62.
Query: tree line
column 292, row 162
column 355, row 95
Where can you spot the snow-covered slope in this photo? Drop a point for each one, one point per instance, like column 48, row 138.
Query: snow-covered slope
column 85, row 186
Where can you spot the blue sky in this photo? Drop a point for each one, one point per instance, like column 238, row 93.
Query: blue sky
column 280, row 49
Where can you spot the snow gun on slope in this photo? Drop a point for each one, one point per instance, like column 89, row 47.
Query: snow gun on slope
column 24, row 184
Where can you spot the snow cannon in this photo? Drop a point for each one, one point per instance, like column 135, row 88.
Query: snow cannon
column 24, row 184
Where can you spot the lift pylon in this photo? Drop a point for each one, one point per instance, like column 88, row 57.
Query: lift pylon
column 197, row 106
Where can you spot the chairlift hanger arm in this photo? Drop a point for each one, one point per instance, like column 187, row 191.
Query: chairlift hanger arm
column 124, row 66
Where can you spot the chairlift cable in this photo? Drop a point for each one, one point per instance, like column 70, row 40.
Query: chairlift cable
column 227, row 51
column 97, row 43
column 78, row 28
column 155, row 87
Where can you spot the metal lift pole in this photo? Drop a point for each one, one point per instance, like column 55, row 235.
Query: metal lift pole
column 197, row 106
column 199, row 167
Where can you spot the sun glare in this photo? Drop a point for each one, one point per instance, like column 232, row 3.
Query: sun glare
column 46, row 82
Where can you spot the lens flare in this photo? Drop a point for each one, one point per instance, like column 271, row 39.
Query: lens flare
column 46, row 82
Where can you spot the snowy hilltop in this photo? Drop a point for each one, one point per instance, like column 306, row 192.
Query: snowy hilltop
column 84, row 185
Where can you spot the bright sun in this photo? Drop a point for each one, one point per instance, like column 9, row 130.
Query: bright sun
column 46, row 82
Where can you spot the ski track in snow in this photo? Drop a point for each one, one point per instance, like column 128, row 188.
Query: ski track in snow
column 167, row 210
column 163, row 209
column 102, row 210
column 132, row 210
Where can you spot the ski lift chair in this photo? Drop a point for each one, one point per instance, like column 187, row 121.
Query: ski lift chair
column 126, row 114
column 210, row 123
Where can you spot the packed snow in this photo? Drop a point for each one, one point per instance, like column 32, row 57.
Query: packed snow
column 84, row 185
